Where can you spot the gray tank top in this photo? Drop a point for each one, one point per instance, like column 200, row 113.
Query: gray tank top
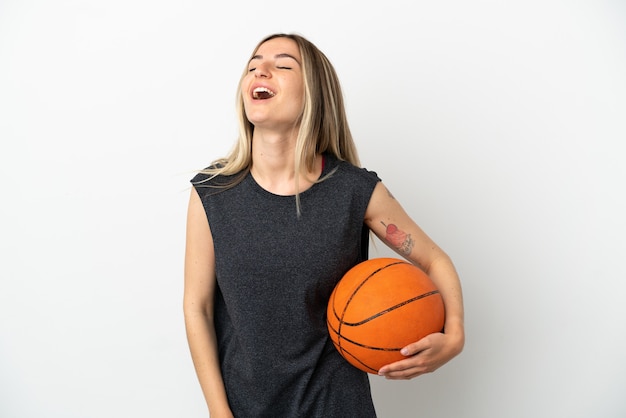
column 275, row 271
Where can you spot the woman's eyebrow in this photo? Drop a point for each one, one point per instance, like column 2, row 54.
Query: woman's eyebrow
column 283, row 55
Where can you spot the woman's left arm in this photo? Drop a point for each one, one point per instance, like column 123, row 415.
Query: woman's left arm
column 388, row 220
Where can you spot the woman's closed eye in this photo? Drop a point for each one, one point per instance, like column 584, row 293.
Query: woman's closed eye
column 280, row 67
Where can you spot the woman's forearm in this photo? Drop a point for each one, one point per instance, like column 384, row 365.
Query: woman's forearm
column 203, row 346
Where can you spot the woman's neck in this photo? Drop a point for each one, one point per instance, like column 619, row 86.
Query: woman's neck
column 273, row 166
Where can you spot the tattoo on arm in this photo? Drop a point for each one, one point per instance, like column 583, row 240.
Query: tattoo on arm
column 399, row 239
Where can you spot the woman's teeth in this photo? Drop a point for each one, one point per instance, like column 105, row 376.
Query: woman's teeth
column 262, row 93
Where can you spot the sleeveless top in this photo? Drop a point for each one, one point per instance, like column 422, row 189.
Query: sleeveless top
column 275, row 271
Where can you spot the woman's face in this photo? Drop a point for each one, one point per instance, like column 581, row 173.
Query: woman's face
column 273, row 88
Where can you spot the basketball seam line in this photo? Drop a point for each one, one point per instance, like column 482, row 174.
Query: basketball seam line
column 354, row 324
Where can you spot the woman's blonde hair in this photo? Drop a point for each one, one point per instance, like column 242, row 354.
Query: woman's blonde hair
column 323, row 124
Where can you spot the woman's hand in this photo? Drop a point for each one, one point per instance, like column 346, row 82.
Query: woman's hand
column 425, row 356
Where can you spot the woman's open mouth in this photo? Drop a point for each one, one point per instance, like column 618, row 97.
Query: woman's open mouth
column 262, row 93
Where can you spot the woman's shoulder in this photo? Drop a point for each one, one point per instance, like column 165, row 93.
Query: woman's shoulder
column 213, row 176
column 348, row 169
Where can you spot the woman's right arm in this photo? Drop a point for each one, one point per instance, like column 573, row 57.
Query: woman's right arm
column 198, row 303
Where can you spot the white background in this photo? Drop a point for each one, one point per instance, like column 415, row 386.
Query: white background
column 498, row 125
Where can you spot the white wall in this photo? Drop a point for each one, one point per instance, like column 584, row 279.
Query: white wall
column 499, row 125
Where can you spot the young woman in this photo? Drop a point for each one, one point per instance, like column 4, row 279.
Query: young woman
column 272, row 228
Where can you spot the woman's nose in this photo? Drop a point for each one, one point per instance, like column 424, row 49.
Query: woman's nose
column 261, row 71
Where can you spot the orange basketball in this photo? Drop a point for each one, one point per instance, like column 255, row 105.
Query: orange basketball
column 380, row 306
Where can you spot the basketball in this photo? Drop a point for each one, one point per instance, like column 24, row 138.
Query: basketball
column 380, row 306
